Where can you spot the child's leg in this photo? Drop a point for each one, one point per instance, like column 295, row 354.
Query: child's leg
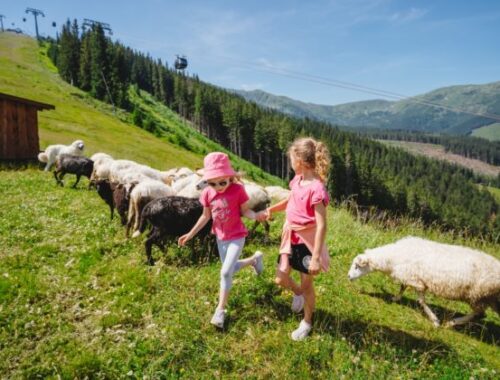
column 307, row 286
column 229, row 252
column 284, row 280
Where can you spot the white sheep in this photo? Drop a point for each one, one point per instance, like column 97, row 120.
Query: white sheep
column 53, row 151
column 180, row 183
column 277, row 193
column 449, row 271
column 126, row 171
column 102, row 164
column 142, row 194
column 97, row 157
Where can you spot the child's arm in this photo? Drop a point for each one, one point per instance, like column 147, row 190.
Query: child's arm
column 280, row 206
column 202, row 221
column 245, row 211
column 319, row 238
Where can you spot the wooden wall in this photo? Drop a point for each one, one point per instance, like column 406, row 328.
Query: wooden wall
column 18, row 130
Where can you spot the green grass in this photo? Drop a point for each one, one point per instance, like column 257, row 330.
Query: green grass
column 490, row 132
column 76, row 300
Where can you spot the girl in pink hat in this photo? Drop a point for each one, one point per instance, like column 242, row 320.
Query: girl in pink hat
column 224, row 201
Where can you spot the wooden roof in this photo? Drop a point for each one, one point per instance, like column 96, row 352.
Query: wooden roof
column 38, row 105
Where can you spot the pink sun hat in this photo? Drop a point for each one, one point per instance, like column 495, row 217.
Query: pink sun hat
column 216, row 165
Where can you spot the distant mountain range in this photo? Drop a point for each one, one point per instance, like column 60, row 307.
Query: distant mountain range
column 407, row 114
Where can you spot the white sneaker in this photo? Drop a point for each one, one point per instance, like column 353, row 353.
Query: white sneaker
column 218, row 318
column 259, row 262
column 297, row 303
column 302, row 332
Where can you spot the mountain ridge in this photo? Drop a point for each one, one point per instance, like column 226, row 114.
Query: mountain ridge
column 409, row 113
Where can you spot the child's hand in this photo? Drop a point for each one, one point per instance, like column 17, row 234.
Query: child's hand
column 183, row 240
column 269, row 215
column 314, row 266
column 261, row 216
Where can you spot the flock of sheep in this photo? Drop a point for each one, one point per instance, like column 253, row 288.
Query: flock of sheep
column 165, row 200
column 168, row 202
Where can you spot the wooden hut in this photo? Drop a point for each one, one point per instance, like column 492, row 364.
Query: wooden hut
column 19, row 127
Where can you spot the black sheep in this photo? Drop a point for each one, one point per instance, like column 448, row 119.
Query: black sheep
column 79, row 166
column 170, row 217
column 116, row 196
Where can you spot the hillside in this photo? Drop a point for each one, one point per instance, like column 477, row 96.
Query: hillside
column 490, row 132
column 26, row 71
column 438, row 152
column 403, row 114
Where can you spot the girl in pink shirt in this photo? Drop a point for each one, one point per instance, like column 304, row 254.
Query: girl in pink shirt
column 303, row 240
column 224, row 201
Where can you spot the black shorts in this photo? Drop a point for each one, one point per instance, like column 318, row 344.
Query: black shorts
column 299, row 258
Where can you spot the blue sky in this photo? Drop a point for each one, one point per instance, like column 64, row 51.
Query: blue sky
column 408, row 47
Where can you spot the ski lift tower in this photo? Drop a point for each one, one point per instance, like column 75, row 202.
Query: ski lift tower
column 36, row 13
column 92, row 23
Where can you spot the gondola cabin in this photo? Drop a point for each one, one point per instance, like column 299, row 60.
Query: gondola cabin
column 19, row 128
column 180, row 63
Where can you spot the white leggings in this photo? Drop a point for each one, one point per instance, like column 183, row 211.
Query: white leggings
column 229, row 252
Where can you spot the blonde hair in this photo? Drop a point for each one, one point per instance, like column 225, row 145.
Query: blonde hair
column 312, row 154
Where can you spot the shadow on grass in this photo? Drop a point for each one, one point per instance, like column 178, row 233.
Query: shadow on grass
column 485, row 331
column 363, row 335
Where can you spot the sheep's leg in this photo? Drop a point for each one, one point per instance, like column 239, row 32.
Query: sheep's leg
column 47, row 167
column 130, row 217
column 254, row 228
column 78, row 176
column 266, row 228
column 466, row 318
column 427, row 309
column 57, row 178
column 149, row 246
column 397, row 297
column 61, row 176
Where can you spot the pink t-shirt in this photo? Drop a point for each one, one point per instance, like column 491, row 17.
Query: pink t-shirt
column 226, row 211
column 300, row 207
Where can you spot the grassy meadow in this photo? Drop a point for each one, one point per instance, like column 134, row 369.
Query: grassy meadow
column 489, row 132
column 77, row 300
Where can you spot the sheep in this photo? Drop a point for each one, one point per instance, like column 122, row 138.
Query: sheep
column 66, row 163
column 116, row 196
column 259, row 200
column 170, row 217
column 449, row 271
column 141, row 194
column 97, row 157
column 52, row 151
column 277, row 193
column 125, row 171
column 102, row 163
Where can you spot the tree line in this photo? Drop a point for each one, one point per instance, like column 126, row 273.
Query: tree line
column 362, row 170
column 470, row 147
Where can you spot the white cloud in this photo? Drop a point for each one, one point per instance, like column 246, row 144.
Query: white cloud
column 409, row 15
column 252, row 86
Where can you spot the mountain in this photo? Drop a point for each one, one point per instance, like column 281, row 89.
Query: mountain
column 407, row 114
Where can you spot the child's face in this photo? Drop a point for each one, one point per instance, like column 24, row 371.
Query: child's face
column 296, row 165
column 219, row 184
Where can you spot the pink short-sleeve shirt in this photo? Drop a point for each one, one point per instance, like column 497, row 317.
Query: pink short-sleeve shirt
column 300, row 207
column 226, row 211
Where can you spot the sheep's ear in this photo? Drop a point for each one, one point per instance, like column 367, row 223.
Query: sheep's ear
column 362, row 260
